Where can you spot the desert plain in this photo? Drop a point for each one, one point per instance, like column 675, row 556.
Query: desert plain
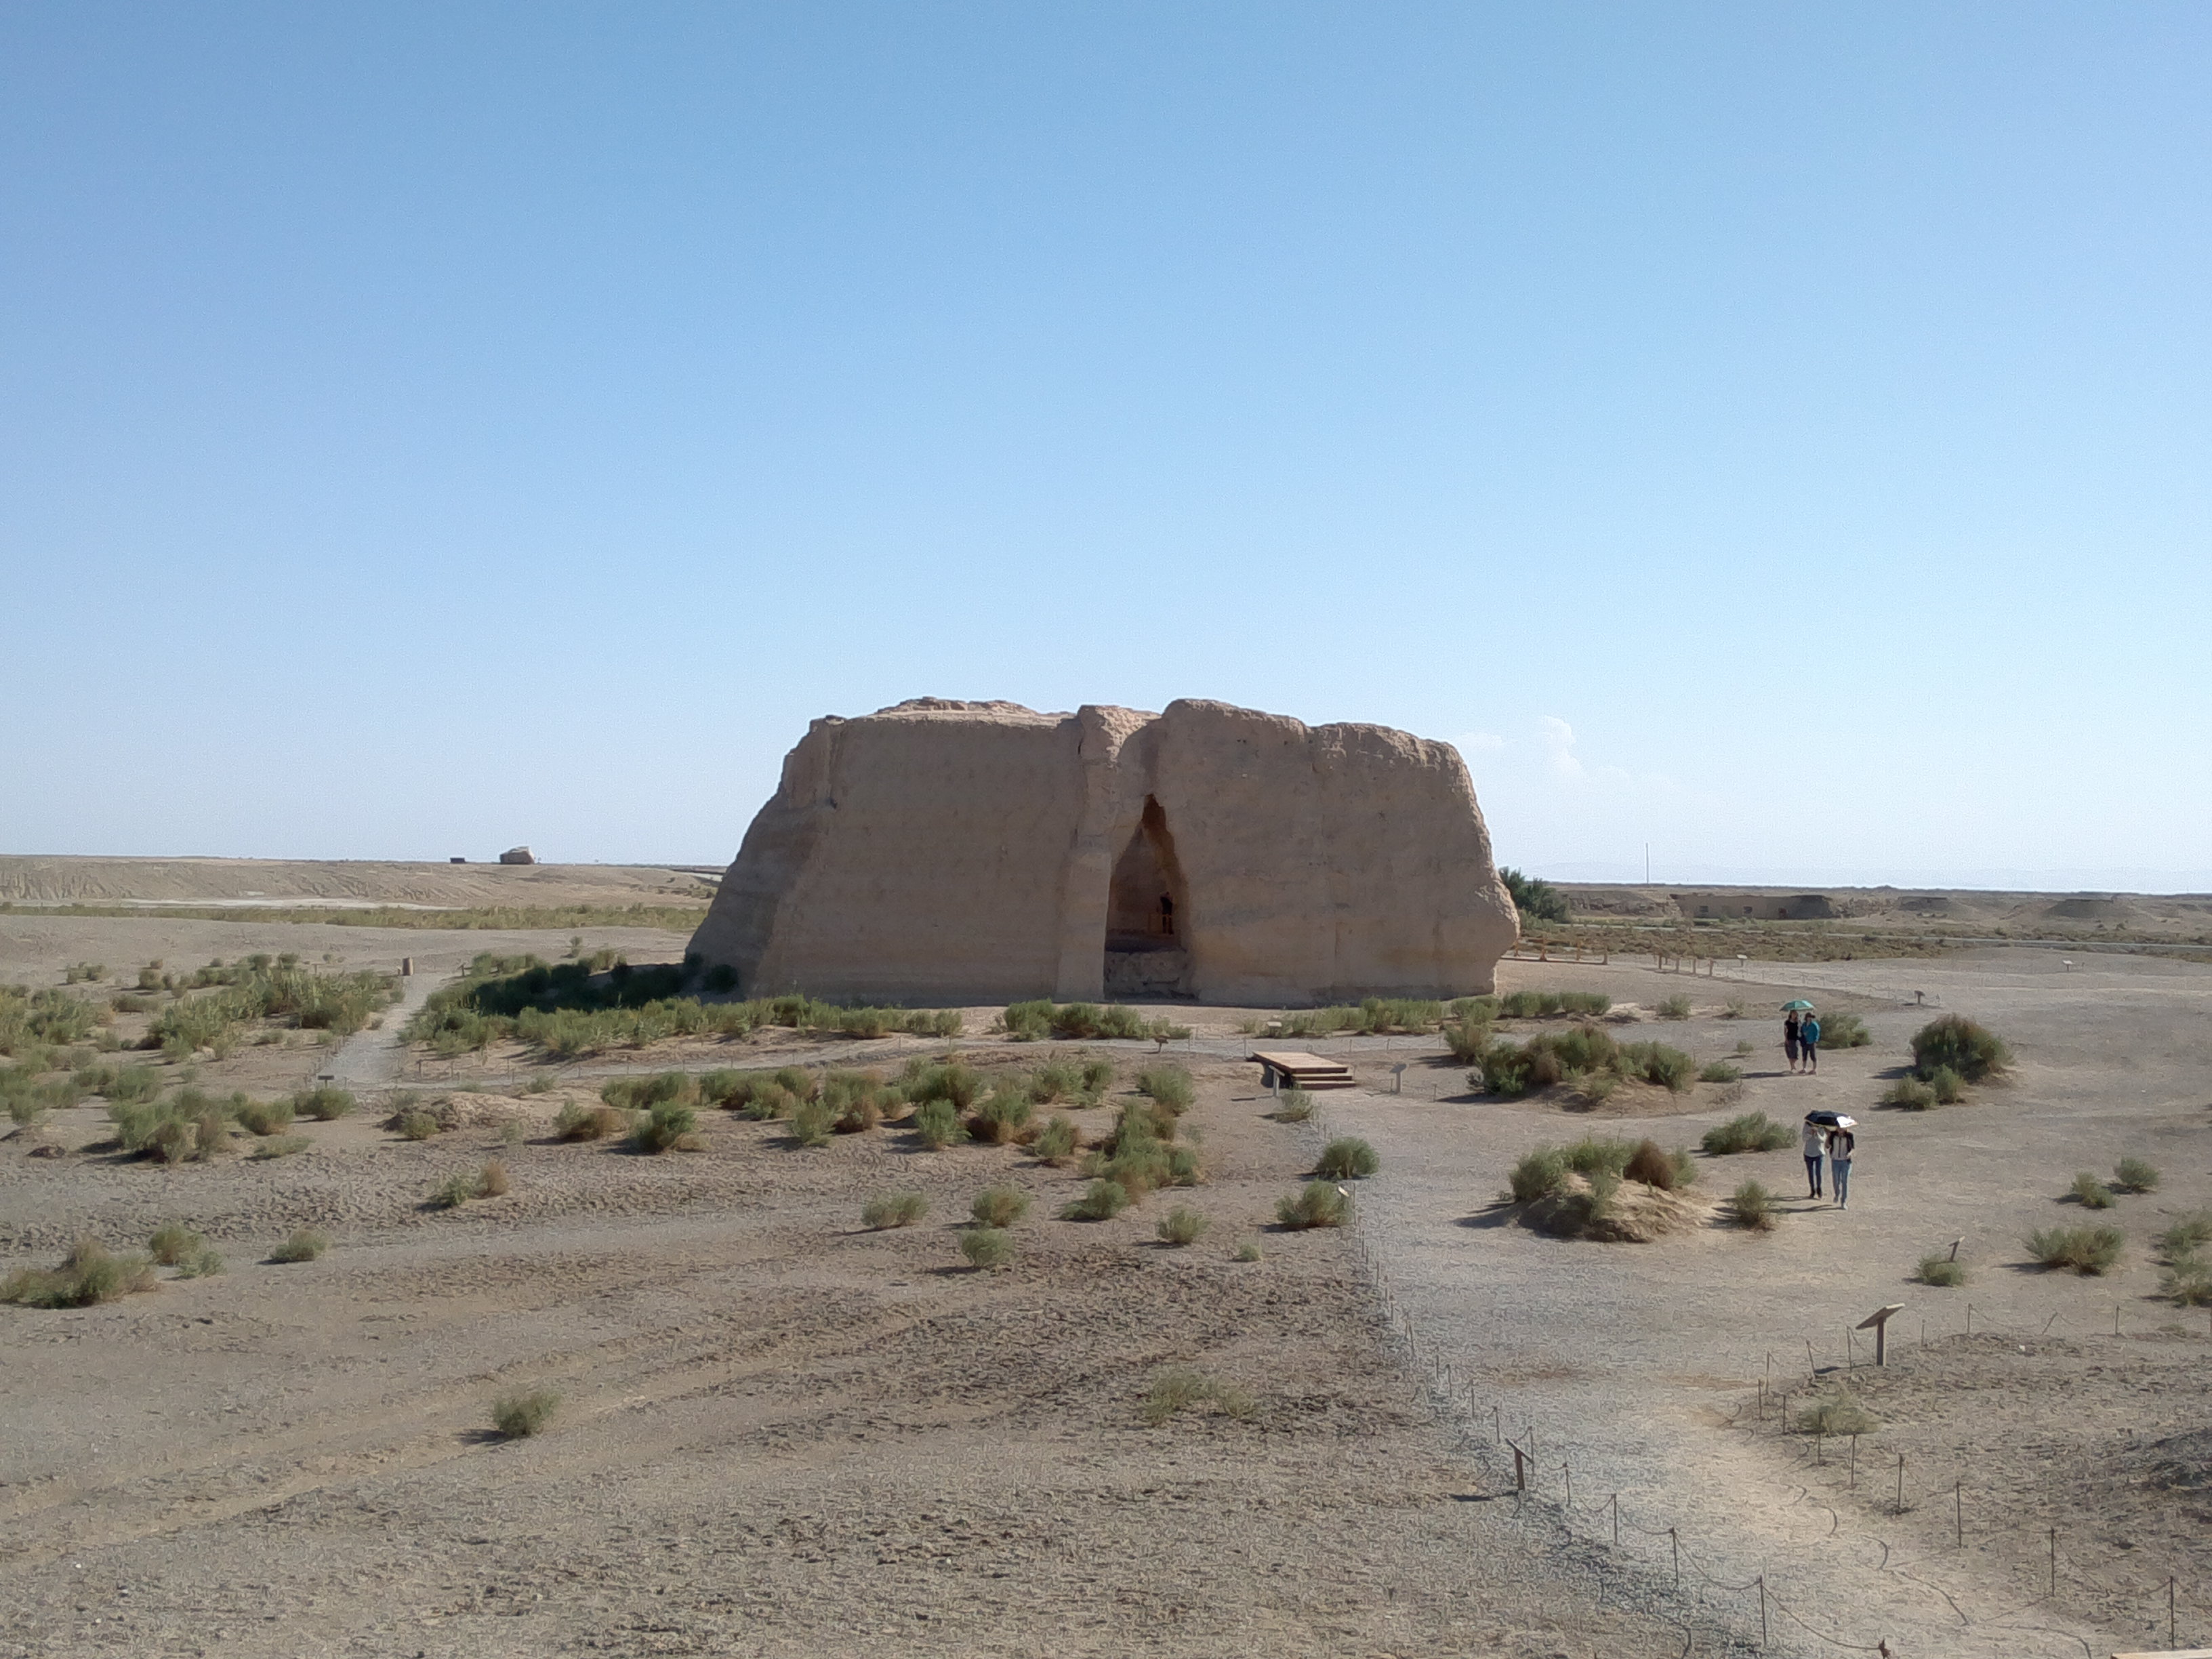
column 779, row 1432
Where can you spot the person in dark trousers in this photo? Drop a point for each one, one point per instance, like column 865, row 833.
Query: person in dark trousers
column 1789, row 1035
column 1815, row 1146
column 1808, row 1042
column 1841, row 1144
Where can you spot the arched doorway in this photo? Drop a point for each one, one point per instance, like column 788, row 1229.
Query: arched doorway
column 1147, row 915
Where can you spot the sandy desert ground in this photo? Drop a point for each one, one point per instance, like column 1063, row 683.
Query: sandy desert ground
column 781, row 1433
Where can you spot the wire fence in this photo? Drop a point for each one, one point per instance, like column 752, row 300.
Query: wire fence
column 1721, row 1611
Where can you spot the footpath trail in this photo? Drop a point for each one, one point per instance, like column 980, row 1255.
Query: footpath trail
column 373, row 1060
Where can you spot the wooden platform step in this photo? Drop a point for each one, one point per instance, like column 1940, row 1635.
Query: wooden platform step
column 1295, row 1070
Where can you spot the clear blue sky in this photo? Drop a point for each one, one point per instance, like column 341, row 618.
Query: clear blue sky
column 1779, row 435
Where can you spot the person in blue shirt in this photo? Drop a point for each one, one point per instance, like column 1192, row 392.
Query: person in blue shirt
column 1808, row 1042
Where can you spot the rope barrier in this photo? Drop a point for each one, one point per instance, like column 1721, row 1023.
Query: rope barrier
column 1439, row 1386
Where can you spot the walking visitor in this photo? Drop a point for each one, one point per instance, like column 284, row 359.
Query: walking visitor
column 1841, row 1142
column 1790, row 1029
column 1809, row 1041
column 1816, row 1148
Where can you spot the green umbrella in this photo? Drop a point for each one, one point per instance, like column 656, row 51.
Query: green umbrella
column 1799, row 1007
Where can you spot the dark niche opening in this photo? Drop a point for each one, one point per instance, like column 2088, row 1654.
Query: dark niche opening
column 1147, row 913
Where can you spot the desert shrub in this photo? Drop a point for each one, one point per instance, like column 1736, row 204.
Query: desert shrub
column 455, row 1190
column 259, row 989
column 1101, row 1201
column 812, row 1123
column 1673, row 1007
column 640, row 1094
column 1161, row 1031
column 1593, row 1155
column 937, row 1125
column 1937, row 1268
column 1837, row 1413
column 1655, row 1167
column 491, row 1180
column 1170, row 1085
column 1538, row 1175
column 1655, row 1062
column 89, row 1274
column 1502, row 1070
column 2091, row 1193
column 2187, row 1282
column 416, row 1126
column 173, row 1242
column 1754, row 1206
column 1055, row 1141
column 305, row 1245
column 1720, row 1071
column 1000, row 1206
column 1843, row 1032
column 206, row 1262
column 1180, row 1388
column 1548, row 1004
column 132, row 1082
column 1002, row 1116
column 1908, row 1094
column 519, row 1415
column 1294, row 1107
column 578, row 1121
column 324, row 1102
column 1734, row 1009
column 1316, row 1204
column 1467, row 1040
column 1027, row 1022
column 1745, row 1045
column 1097, row 1078
column 1754, row 1132
column 2087, row 1250
column 278, row 1147
column 32, row 1021
column 947, row 1080
column 1249, row 1251
column 770, row 1102
column 2185, row 1236
column 1974, row 1053
column 667, row 1124
column 1348, row 1158
column 267, row 1117
column 858, row 1112
column 894, row 1210
column 1057, row 1079
column 1181, row 1225
column 1946, row 1086
column 2132, row 1174
column 987, row 1247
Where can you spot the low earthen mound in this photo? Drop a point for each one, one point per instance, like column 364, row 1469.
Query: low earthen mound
column 1634, row 1214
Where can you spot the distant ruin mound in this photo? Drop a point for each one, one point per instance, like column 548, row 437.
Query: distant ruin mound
column 2088, row 909
column 959, row 851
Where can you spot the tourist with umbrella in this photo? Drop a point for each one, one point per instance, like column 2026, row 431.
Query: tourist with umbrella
column 1793, row 1028
column 1834, row 1129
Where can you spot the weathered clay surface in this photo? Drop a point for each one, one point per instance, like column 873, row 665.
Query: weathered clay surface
column 953, row 851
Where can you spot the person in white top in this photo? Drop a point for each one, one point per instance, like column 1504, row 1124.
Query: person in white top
column 1816, row 1146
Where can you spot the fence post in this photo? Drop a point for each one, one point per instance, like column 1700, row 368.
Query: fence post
column 1762, row 1610
column 1674, row 1540
column 1900, row 1483
column 1616, row 1540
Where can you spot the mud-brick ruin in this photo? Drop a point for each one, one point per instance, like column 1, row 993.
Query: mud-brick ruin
column 946, row 852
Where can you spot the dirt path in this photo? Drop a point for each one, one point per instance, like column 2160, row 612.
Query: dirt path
column 1637, row 1368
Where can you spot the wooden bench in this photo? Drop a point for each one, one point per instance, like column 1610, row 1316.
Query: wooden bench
column 1295, row 1070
